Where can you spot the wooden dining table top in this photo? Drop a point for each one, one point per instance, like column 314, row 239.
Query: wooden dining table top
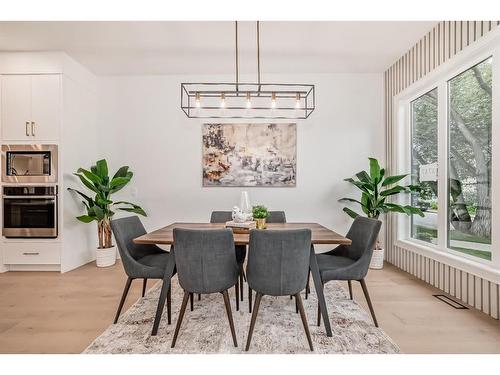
column 319, row 233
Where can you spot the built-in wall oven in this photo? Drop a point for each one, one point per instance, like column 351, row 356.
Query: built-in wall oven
column 29, row 163
column 30, row 211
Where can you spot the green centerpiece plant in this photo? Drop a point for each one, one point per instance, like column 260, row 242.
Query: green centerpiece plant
column 260, row 213
column 100, row 207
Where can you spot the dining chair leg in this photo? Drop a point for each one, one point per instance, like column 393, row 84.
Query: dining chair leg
column 237, row 294
column 199, row 297
column 291, row 297
column 249, row 300
column 191, row 301
column 349, row 284
column 319, row 315
column 367, row 296
column 244, row 275
column 227, row 303
column 144, row 283
column 254, row 318
column 181, row 315
column 241, row 284
column 296, row 306
column 308, row 285
column 122, row 300
column 161, row 305
column 169, row 305
column 298, row 300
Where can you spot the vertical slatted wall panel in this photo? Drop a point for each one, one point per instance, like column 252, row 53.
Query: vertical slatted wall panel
column 444, row 41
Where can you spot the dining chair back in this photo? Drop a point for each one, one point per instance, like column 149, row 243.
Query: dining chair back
column 278, row 265
column 206, row 263
column 276, row 217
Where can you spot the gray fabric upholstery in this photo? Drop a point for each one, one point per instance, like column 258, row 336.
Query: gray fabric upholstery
column 139, row 261
column 350, row 262
column 222, row 217
column 276, row 217
column 278, row 261
column 205, row 260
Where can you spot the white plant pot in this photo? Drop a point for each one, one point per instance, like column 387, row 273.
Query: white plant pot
column 106, row 257
column 377, row 262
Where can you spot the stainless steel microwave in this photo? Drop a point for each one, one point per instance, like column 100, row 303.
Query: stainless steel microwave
column 29, row 163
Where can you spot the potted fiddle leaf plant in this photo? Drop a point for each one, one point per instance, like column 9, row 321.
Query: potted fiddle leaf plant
column 260, row 213
column 376, row 188
column 100, row 208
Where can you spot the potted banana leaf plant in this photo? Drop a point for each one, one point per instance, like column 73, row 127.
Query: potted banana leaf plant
column 376, row 190
column 100, row 208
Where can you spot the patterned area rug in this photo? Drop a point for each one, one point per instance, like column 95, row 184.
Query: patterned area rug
column 278, row 328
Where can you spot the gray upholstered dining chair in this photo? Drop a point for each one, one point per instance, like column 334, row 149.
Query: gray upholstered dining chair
column 241, row 251
column 140, row 261
column 206, row 263
column 274, row 217
column 278, row 263
column 351, row 262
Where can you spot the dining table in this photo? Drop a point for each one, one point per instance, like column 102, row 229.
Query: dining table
column 320, row 235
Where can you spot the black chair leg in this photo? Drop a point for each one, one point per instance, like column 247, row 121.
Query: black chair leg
column 191, row 301
column 254, row 318
column 161, row 305
column 319, row 315
column 144, row 283
column 249, row 300
column 244, row 275
column 169, row 304
column 199, row 297
column 227, row 303
column 181, row 315
column 296, row 306
column 241, row 284
column 308, row 287
column 237, row 294
column 367, row 296
column 298, row 301
column 349, row 284
column 122, row 301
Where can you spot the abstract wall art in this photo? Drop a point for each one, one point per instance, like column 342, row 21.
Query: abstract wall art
column 249, row 155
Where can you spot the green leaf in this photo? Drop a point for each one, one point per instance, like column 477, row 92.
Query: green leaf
column 118, row 183
column 374, row 169
column 87, row 198
column 395, row 190
column 87, row 183
column 122, row 172
column 413, row 211
column 86, row 218
column 350, row 212
column 102, row 168
column 98, row 212
column 395, row 207
column 102, row 201
column 350, row 200
column 364, row 177
column 90, row 176
column 393, row 179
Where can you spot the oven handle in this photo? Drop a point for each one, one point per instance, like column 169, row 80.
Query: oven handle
column 49, row 197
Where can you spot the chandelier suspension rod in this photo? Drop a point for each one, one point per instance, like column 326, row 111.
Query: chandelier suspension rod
column 237, row 57
column 258, row 53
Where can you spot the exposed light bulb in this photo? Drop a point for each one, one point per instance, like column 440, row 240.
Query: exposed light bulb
column 297, row 101
column 249, row 102
column 273, row 100
column 222, row 100
column 197, row 100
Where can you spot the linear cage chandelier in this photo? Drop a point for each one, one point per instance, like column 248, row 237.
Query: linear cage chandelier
column 247, row 100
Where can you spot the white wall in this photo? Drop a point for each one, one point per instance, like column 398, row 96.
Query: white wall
column 141, row 125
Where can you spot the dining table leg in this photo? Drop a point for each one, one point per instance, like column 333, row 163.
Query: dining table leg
column 318, row 286
column 167, row 279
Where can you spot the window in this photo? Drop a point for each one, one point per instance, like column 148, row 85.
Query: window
column 424, row 159
column 469, row 160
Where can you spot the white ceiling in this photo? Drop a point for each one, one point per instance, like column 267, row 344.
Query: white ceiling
column 208, row 47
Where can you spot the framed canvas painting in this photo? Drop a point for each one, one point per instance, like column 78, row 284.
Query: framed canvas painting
column 249, row 155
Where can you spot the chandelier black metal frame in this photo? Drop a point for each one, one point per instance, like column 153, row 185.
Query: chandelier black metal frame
column 247, row 100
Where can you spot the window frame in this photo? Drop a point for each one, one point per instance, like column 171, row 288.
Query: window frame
column 401, row 151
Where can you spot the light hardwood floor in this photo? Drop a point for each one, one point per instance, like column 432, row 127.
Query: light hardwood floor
column 62, row 313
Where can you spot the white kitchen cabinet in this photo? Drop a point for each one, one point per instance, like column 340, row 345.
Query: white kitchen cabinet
column 31, row 107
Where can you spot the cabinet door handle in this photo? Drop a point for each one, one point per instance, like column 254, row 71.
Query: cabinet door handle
column 33, row 128
column 27, row 131
column 31, row 253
